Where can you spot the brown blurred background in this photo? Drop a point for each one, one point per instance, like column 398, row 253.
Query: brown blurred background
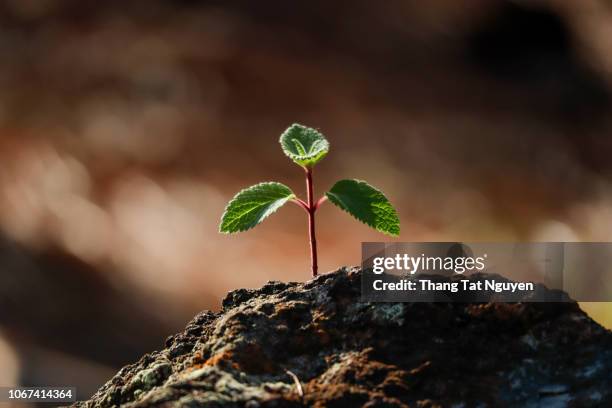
column 125, row 127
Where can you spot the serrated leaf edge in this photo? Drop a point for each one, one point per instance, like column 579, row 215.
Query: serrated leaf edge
column 307, row 159
column 329, row 194
column 266, row 216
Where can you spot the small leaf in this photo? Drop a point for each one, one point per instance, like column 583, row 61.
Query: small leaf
column 367, row 204
column 304, row 145
column 252, row 205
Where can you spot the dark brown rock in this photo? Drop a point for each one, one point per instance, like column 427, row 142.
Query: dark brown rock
column 346, row 354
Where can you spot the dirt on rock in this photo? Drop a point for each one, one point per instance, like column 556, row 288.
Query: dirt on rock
column 315, row 344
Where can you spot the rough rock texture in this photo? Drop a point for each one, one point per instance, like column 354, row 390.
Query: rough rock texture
column 344, row 353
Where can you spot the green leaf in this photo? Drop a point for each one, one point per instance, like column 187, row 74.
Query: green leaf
column 253, row 205
column 304, row 145
column 367, row 204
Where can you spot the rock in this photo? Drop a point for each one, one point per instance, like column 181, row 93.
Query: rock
column 345, row 353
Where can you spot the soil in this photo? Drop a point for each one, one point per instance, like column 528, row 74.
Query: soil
column 315, row 344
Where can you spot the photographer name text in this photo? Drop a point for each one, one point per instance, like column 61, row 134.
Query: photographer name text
column 464, row 285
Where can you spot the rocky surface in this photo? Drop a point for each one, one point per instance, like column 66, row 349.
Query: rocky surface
column 314, row 344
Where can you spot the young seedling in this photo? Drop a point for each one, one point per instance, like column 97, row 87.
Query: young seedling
column 306, row 147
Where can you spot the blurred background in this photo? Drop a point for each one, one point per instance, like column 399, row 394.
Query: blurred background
column 125, row 127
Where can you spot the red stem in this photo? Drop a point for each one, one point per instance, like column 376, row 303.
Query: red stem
column 301, row 203
column 320, row 201
column 312, row 207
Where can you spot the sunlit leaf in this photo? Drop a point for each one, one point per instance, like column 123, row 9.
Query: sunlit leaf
column 367, row 204
column 304, row 145
column 252, row 205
